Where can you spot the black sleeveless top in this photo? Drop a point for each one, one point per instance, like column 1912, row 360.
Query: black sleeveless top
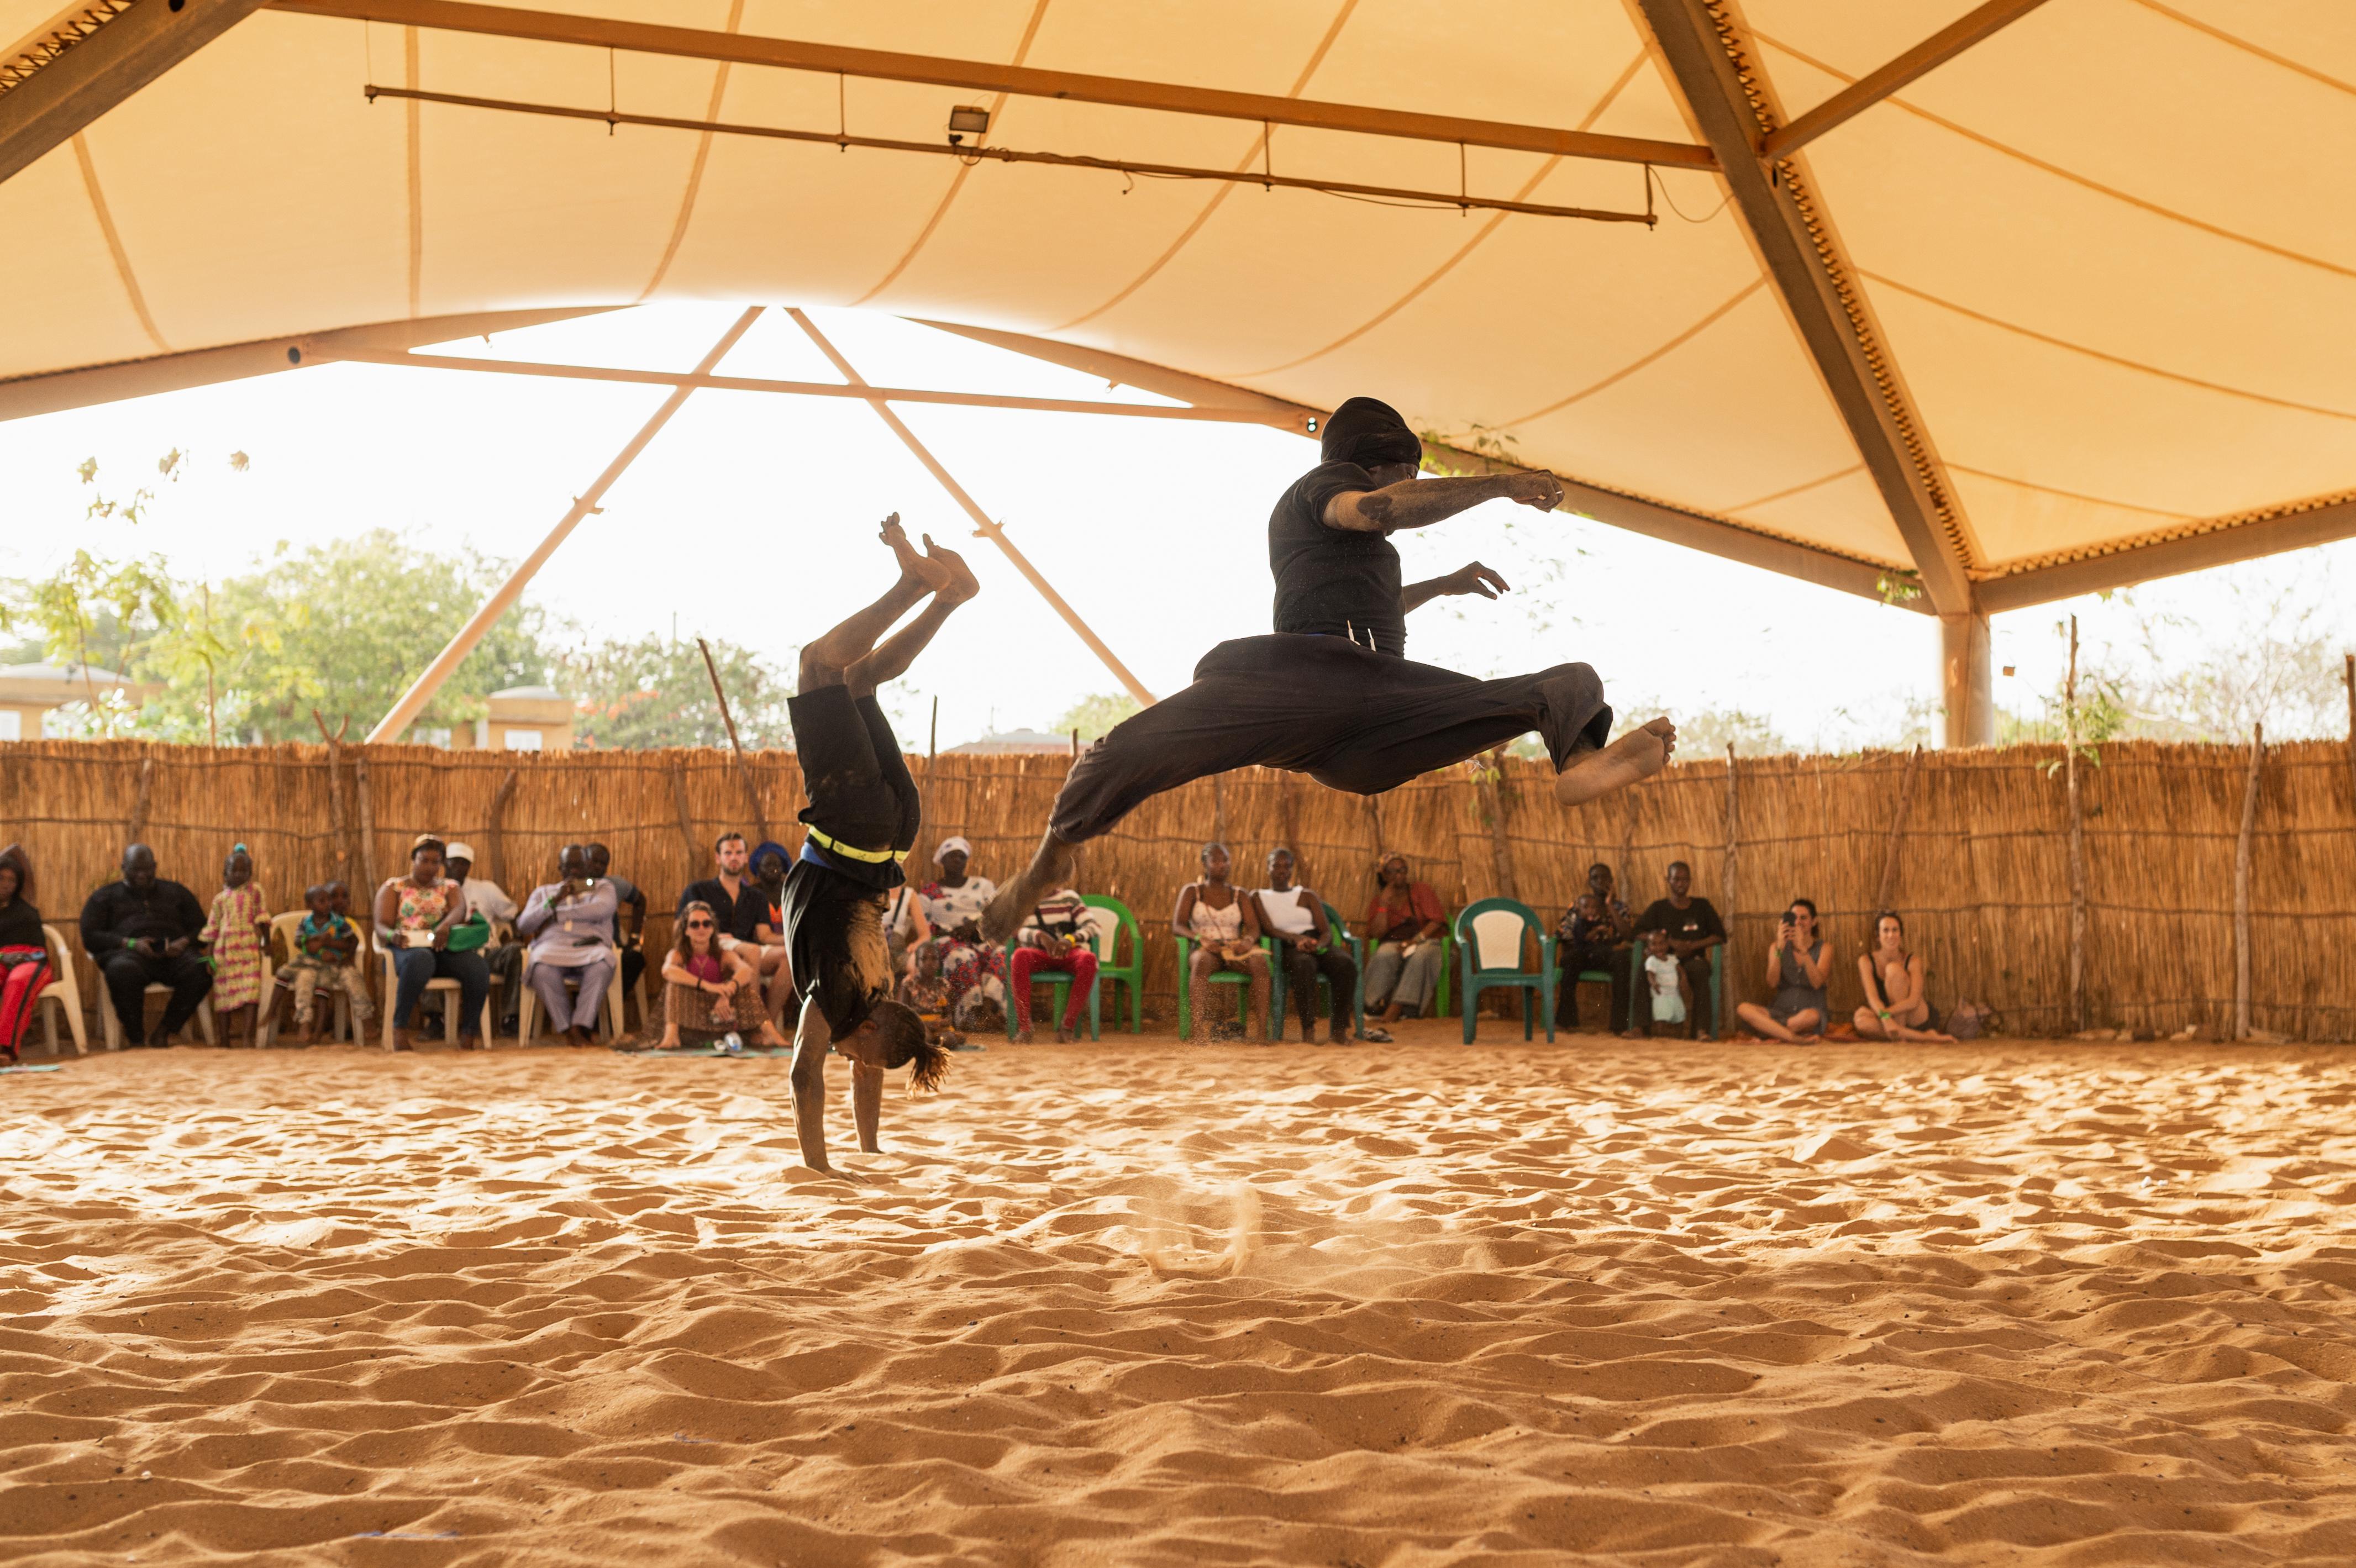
column 1332, row 581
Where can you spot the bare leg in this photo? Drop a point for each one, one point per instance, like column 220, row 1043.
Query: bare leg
column 1198, row 982
column 890, row 661
column 825, row 660
column 1807, row 1024
column 1759, row 1021
column 1257, row 965
column 1051, row 868
column 867, row 1104
column 1869, row 1024
column 1640, row 754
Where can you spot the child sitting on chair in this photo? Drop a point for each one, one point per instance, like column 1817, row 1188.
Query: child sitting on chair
column 1664, row 997
column 926, row 994
column 325, row 947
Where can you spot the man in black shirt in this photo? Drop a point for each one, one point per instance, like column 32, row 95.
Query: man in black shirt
column 736, row 899
column 862, row 815
column 1694, row 929
column 1332, row 693
column 143, row 930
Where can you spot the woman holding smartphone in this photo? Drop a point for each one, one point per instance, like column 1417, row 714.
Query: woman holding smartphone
column 1797, row 966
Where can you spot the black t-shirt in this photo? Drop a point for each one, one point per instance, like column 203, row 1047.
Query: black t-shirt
column 1333, row 581
column 737, row 917
column 1695, row 922
column 20, row 925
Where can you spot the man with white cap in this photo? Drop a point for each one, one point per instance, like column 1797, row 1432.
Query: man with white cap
column 487, row 899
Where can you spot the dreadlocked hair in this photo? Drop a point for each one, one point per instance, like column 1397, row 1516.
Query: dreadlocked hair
column 906, row 1044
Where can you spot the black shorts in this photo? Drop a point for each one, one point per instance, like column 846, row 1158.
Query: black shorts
column 859, row 796
column 1346, row 716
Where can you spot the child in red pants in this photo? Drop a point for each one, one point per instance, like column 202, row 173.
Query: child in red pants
column 1056, row 937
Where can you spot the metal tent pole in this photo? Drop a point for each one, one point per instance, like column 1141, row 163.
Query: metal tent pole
column 981, row 520
column 421, row 691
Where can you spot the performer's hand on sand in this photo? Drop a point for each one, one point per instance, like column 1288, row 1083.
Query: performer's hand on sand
column 1541, row 490
column 1640, row 754
column 1475, row 578
column 915, row 566
column 960, row 583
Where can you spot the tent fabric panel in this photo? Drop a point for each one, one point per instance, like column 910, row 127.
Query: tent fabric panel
column 69, row 304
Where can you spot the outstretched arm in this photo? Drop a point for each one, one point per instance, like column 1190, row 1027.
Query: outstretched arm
column 1472, row 578
column 1419, row 503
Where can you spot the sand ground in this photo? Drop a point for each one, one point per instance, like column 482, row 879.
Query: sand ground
column 1139, row 1303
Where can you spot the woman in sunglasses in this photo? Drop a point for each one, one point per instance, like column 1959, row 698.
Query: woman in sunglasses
column 708, row 991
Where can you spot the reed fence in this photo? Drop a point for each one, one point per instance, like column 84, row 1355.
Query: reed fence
column 1970, row 845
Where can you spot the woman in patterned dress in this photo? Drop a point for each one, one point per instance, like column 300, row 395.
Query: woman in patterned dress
column 234, row 938
column 973, row 969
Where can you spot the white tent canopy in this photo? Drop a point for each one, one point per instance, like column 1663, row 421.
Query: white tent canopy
column 2073, row 306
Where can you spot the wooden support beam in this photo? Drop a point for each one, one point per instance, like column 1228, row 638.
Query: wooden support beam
column 1967, row 680
column 2075, row 803
column 1800, row 253
column 1893, row 849
column 817, row 388
column 984, row 76
column 1653, row 520
column 2320, row 523
column 85, row 386
column 982, row 521
column 421, row 690
column 1874, row 86
column 2242, row 883
column 68, row 73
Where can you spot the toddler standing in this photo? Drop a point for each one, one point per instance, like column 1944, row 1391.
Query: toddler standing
column 234, row 939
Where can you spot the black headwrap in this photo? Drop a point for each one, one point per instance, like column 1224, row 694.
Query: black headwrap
column 1368, row 432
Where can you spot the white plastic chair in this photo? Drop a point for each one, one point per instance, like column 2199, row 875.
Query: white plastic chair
column 65, row 992
column 113, row 1025
column 527, row 1003
column 285, row 927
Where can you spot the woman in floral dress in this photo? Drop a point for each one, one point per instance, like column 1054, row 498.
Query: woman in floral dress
column 973, row 969
column 234, row 938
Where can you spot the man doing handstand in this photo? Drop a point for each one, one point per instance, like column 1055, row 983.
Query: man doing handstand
column 1332, row 694
column 862, row 817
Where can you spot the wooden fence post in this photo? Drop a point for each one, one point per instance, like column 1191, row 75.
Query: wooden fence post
column 494, row 834
column 1288, row 802
column 2349, row 674
column 1727, row 889
column 686, row 820
column 338, row 819
column 1886, row 891
column 367, row 828
column 1486, row 772
column 2077, row 839
column 2241, row 885
column 140, row 802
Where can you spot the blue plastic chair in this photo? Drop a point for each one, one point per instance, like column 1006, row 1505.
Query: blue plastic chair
column 1235, row 977
column 1489, row 935
column 1357, row 945
column 1717, row 984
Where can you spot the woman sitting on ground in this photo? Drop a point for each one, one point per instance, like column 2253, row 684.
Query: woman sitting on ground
column 1225, row 928
column 24, row 970
column 1897, row 1006
column 1797, row 966
column 709, row 992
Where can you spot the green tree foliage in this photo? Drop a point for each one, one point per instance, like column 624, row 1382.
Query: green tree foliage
column 1092, row 715
column 656, row 692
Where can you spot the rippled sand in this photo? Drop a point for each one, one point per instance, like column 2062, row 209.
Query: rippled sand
column 1146, row 1304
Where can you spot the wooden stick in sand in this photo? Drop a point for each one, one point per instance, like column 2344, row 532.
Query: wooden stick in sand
column 2241, row 884
column 2077, row 838
column 743, row 769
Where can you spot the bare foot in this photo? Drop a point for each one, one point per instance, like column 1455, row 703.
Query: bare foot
column 1023, row 1036
column 1639, row 754
column 913, row 565
column 1050, row 867
column 962, row 585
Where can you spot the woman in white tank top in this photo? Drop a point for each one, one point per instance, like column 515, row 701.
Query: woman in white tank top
column 1226, row 926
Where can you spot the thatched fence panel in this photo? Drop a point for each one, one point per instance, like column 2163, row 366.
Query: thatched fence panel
column 1981, row 874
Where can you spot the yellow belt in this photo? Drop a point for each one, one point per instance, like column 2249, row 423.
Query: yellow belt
column 836, row 846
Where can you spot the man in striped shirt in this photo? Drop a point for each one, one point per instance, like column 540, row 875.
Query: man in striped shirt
column 1057, row 938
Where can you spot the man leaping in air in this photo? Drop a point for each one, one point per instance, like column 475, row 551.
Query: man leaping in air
column 862, row 817
column 1332, row 694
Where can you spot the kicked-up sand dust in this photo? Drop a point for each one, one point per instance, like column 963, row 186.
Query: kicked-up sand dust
column 1139, row 1303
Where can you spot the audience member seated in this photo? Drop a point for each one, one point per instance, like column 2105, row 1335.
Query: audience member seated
column 143, row 930
column 973, row 970
column 24, row 970
column 1295, row 918
column 1225, row 928
column 770, row 864
column 631, row 919
column 1666, row 996
column 1796, row 967
column 1693, row 929
column 415, row 915
column 503, row 961
column 1404, row 925
column 920, row 990
column 1593, row 938
column 570, row 924
column 737, row 903
column 905, row 928
column 325, row 950
column 1897, row 1003
column 709, row 992
column 236, row 939
column 1058, row 939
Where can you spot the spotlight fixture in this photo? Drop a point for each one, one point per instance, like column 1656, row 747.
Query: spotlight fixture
column 968, row 120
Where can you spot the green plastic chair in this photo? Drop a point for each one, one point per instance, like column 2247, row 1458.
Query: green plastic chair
column 1235, row 978
column 1357, row 945
column 1131, row 973
column 1489, row 935
column 1059, row 985
column 1717, row 984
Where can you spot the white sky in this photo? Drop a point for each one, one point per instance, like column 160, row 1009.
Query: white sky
column 752, row 517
